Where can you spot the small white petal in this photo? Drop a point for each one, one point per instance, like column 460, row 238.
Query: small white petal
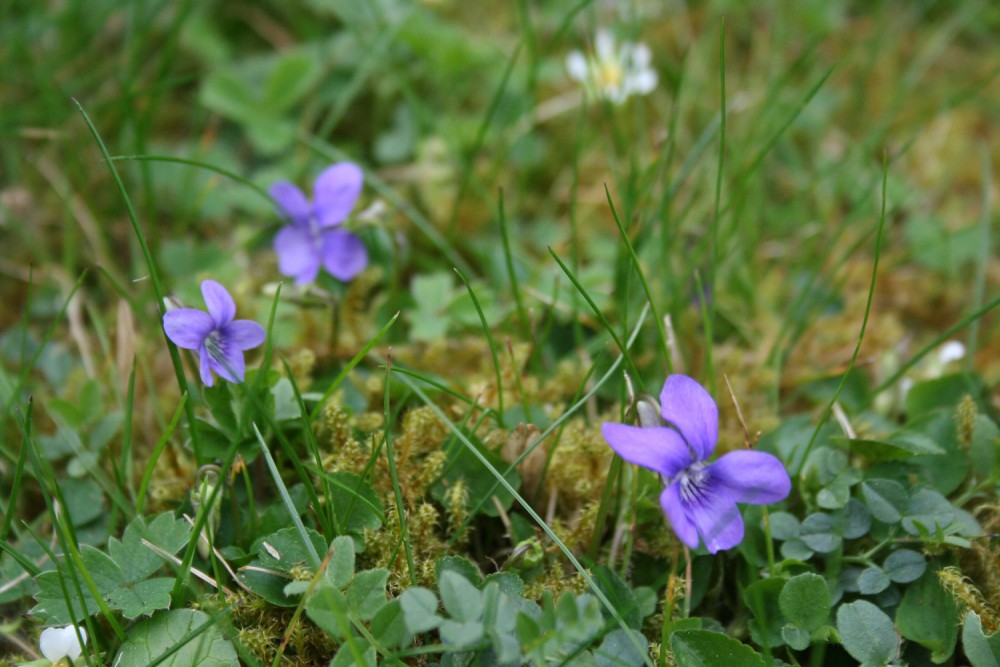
column 951, row 351
column 576, row 65
column 604, row 45
column 59, row 643
column 641, row 56
column 642, row 82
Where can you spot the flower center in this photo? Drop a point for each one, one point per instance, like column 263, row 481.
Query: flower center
column 214, row 345
column 609, row 74
column 694, row 481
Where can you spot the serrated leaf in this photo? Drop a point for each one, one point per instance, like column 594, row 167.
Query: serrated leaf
column 805, row 601
column 154, row 637
column 462, row 600
column 366, row 592
column 701, row 648
column 138, row 561
column 143, row 598
column 904, row 565
column 980, row 649
column 461, row 566
column 867, row 632
column 283, row 550
column 419, row 607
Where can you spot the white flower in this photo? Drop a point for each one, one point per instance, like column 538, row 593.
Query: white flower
column 614, row 72
column 59, row 643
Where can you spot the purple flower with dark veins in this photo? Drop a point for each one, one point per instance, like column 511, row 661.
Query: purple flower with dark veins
column 312, row 238
column 700, row 497
column 219, row 339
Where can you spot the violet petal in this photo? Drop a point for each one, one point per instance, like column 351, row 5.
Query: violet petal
column 298, row 256
column 220, row 304
column 344, row 255
column 188, row 327
column 670, row 501
column 243, row 335
column 716, row 516
column 205, row 366
column 685, row 404
column 292, row 204
column 229, row 364
column 337, row 189
column 660, row 449
column 751, row 477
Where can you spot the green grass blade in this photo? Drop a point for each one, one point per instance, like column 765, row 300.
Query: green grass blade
column 287, row 499
column 864, row 324
column 396, row 489
column 154, row 276
column 492, row 343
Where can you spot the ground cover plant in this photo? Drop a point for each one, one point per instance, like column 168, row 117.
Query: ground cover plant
column 577, row 332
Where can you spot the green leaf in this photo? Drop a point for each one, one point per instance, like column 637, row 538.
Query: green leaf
column 284, row 549
column 901, row 446
column 419, row 607
column 461, row 566
column 362, row 655
column 763, row 599
column 805, row 601
column 462, row 600
column 885, row 498
column 355, row 503
column 980, row 649
column 819, row 533
column 873, row 580
column 154, row 637
column 983, row 449
column 136, row 560
column 219, row 399
column 867, row 633
column 84, row 500
column 702, row 648
column 904, row 565
column 340, row 569
column 389, row 625
column 227, row 94
column 327, row 607
column 289, row 81
column 857, row 519
column 619, row 650
column 784, row 526
column 142, row 598
column 462, row 634
column 930, row 509
column 928, row 615
column 796, row 637
column 366, row 593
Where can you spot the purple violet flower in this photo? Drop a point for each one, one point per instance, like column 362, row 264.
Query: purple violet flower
column 700, row 497
column 219, row 339
column 311, row 239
